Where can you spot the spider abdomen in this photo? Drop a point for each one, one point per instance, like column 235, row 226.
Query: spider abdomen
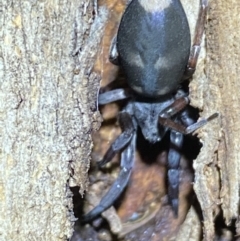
column 153, row 46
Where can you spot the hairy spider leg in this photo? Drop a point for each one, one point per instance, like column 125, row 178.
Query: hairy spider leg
column 196, row 46
column 127, row 160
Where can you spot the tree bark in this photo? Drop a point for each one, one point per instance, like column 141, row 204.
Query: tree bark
column 217, row 166
column 47, row 112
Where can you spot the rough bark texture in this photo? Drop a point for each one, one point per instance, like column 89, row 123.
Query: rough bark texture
column 217, row 166
column 47, row 113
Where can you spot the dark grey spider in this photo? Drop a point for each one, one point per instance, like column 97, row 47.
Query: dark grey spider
column 153, row 48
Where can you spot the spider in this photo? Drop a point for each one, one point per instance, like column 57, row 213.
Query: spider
column 153, row 47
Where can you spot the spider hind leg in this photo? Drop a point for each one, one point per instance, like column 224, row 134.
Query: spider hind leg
column 174, row 156
column 127, row 160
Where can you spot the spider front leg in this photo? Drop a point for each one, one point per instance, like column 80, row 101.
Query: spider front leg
column 174, row 157
column 128, row 139
column 196, row 47
column 183, row 129
column 178, row 105
column 177, row 132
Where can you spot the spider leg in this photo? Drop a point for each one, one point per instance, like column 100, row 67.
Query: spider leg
column 174, row 108
column 127, row 159
column 183, row 129
column 113, row 54
column 178, row 105
column 113, row 95
column 196, row 47
column 174, row 156
column 127, row 127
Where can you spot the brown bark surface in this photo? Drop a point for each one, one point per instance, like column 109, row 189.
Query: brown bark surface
column 217, row 167
column 47, row 113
